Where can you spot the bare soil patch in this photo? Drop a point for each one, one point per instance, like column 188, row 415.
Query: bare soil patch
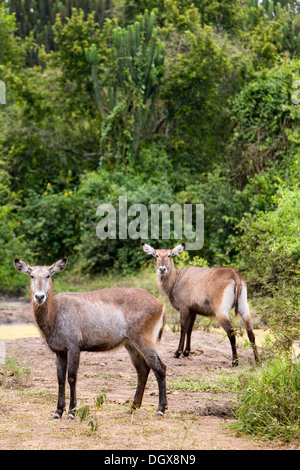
column 194, row 420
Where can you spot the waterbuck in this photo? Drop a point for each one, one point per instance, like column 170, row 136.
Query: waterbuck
column 202, row 291
column 100, row 320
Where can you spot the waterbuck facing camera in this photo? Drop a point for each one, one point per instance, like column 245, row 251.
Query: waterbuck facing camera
column 210, row 292
column 100, row 320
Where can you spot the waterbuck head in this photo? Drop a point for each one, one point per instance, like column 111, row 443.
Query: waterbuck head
column 41, row 282
column 164, row 258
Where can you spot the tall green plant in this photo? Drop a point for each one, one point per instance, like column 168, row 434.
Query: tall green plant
column 128, row 96
column 269, row 402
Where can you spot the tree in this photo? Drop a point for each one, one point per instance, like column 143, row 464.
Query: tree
column 127, row 97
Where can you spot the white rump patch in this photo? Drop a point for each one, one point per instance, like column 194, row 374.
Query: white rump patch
column 158, row 326
column 244, row 310
column 227, row 299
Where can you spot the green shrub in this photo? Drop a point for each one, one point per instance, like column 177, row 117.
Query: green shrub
column 13, row 374
column 269, row 405
column 270, row 242
column 13, row 245
column 269, row 254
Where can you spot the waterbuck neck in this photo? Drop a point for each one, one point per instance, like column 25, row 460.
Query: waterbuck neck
column 167, row 282
column 44, row 315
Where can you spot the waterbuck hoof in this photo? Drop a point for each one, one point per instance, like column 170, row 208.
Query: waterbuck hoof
column 186, row 353
column 235, row 363
column 56, row 416
column 176, row 355
column 158, row 414
column 70, row 416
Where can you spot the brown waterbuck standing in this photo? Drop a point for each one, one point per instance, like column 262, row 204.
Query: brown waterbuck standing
column 100, row 320
column 202, row 291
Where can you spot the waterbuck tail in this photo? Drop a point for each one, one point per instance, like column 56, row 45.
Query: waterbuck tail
column 162, row 324
column 237, row 290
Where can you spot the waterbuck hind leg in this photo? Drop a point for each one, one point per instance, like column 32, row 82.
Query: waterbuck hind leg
column 61, row 366
column 142, row 370
column 225, row 323
column 231, row 336
column 153, row 360
column 251, row 338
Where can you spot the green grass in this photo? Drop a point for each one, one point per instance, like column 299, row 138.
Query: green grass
column 269, row 402
column 228, row 382
column 13, row 374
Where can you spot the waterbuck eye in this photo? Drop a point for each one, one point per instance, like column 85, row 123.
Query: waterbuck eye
column 47, row 277
column 157, row 255
column 169, row 256
column 31, row 277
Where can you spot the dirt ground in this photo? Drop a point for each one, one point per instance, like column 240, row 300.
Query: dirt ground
column 194, row 420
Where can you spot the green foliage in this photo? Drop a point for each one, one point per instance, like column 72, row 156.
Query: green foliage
column 269, row 404
column 73, row 37
column 262, row 115
column 12, row 374
column 272, row 29
column 13, row 244
column 133, row 86
column 101, row 187
column 269, row 250
column 195, row 101
column 222, row 383
column 184, row 260
column 85, row 413
column 34, row 20
column 11, row 49
column 270, row 240
column 54, row 221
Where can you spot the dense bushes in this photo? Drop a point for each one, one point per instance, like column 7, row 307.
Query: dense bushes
column 269, row 254
column 191, row 116
column 269, row 403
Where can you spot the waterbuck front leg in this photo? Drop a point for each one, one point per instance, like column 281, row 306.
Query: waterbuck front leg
column 73, row 364
column 191, row 321
column 184, row 321
column 61, row 366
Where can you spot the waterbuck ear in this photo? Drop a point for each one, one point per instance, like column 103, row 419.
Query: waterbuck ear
column 178, row 249
column 58, row 266
column 148, row 249
column 22, row 267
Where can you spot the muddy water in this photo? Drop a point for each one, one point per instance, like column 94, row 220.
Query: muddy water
column 18, row 331
column 15, row 322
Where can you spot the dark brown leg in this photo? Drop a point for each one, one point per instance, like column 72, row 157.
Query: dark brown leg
column 153, row 360
column 252, row 339
column 73, row 364
column 61, row 366
column 187, row 349
column 143, row 370
column 225, row 323
column 184, row 319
